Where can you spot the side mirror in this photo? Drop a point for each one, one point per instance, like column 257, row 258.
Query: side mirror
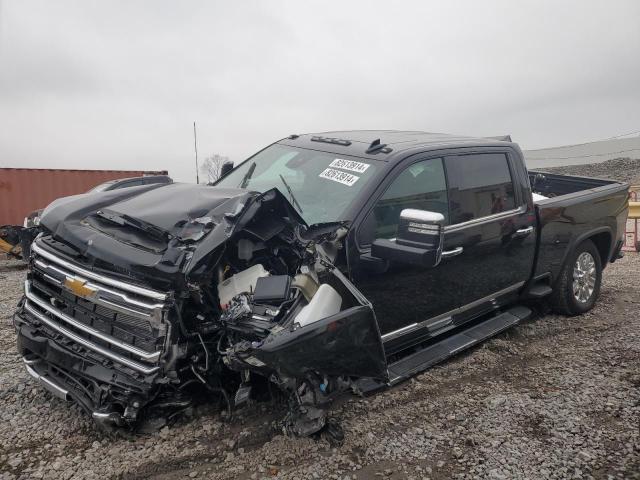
column 418, row 240
column 226, row 168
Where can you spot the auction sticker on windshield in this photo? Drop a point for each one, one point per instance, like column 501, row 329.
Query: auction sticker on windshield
column 340, row 177
column 357, row 167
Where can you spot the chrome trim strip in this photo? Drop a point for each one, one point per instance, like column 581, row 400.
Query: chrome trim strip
column 491, row 298
column 440, row 323
column 452, row 253
column 88, row 344
column 483, row 220
column 525, row 231
column 49, row 277
column 55, row 389
column 103, row 301
column 31, row 371
column 448, row 316
column 31, row 361
column 398, row 332
column 114, row 417
column 52, row 387
column 144, row 355
column 100, row 415
column 119, row 308
column 99, row 278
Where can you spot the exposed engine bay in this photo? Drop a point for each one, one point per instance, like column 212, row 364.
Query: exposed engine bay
column 272, row 281
column 255, row 303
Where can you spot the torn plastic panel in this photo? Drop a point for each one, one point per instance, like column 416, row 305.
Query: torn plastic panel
column 346, row 343
column 312, row 348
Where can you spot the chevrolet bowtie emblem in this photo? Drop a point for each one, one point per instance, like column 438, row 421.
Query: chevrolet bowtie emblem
column 79, row 287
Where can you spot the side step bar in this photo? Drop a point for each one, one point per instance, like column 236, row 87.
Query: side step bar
column 537, row 291
column 436, row 353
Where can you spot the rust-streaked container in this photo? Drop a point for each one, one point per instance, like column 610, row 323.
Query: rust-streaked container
column 23, row 190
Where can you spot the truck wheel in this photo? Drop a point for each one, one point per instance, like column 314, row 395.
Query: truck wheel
column 578, row 287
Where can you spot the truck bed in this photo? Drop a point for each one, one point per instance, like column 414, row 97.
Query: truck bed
column 554, row 185
column 577, row 208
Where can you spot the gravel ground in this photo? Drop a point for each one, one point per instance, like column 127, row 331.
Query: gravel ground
column 554, row 397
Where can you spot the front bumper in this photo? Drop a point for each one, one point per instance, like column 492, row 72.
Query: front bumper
column 104, row 392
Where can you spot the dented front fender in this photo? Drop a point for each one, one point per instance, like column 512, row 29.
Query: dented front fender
column 346, row 344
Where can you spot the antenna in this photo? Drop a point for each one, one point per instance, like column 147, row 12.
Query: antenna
column 195, row 147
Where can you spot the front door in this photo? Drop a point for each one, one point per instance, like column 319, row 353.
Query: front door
column 488, row 251
column 407, row 299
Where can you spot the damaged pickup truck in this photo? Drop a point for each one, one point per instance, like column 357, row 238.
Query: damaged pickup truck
column 346, row 261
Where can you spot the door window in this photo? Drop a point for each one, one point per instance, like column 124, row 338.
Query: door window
column 479, row 185
column 421, row 186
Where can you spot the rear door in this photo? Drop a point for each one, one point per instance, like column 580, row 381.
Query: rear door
column 492, row 225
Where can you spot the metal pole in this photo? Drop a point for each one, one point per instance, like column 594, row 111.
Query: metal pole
column 195, row 147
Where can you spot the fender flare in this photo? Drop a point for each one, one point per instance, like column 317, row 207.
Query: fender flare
column 581, row 238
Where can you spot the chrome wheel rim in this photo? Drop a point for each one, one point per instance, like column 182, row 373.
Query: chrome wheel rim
column 584, row 277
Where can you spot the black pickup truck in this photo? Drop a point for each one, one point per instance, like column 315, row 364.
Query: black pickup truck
column 323, row 263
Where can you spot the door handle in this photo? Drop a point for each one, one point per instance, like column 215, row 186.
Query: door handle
column 523, row 232
column 452, row 253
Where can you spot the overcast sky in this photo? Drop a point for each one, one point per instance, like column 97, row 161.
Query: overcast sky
column 117, row 85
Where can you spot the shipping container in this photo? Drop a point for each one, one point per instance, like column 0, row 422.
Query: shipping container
column 23, row 190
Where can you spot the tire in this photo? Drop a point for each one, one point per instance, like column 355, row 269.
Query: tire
column 578, row 286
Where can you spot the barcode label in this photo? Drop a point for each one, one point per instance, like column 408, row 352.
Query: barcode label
column 340, row 177
column 357, row 167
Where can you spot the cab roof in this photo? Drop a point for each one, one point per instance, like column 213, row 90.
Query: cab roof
column 387, row 145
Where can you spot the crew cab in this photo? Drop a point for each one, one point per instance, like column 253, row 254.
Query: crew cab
column 324, row 263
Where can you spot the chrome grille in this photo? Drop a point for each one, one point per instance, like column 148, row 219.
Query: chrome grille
column 118, row 320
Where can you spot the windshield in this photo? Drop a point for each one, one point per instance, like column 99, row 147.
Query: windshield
column 320, row 185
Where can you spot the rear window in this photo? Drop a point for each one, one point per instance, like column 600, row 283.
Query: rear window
column 479, row 185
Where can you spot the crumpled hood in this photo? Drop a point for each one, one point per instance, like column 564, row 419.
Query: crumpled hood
column 164, row 206
column 172, row 208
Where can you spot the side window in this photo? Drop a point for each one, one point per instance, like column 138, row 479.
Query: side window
column 421, row 186
column 479, row 185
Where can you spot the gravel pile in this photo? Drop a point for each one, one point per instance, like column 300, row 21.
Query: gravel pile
column 555, row 397
column 622, row 169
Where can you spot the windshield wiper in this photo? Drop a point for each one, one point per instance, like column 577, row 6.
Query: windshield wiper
column 293, row 198
column 247, row 176
column 126, row 220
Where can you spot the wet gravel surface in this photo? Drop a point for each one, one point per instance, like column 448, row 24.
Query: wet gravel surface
column 554, row 397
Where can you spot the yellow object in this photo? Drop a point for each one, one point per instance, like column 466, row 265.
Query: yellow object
column 78, row 287
column 634, row 209
column 8, row 248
